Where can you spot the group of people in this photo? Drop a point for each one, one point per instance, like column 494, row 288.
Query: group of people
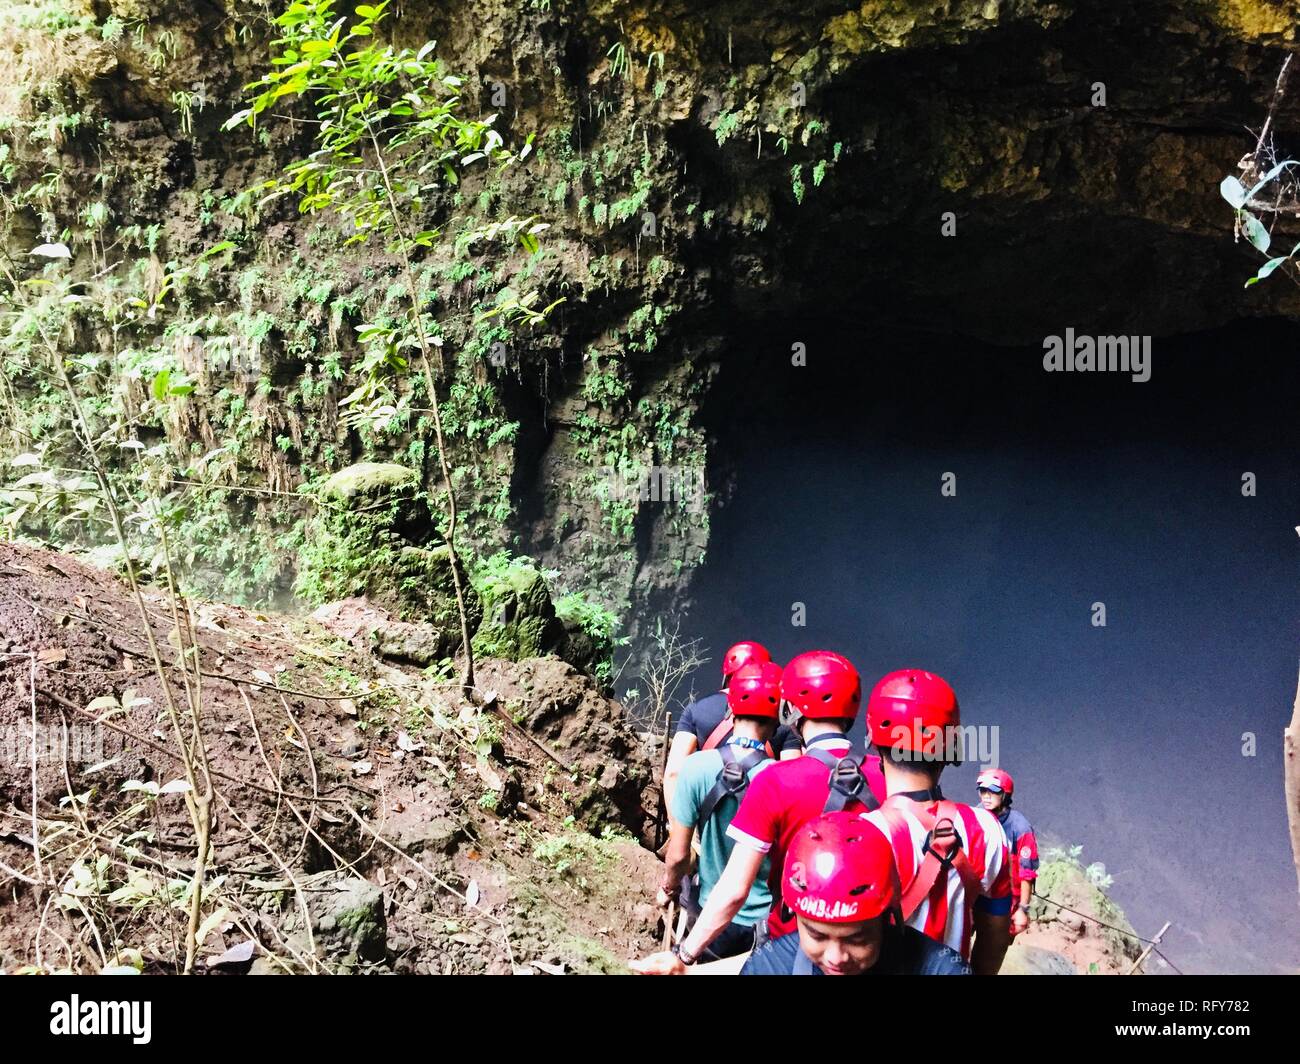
column 791, row 849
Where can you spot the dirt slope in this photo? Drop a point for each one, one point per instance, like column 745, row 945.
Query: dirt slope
column 420, row 832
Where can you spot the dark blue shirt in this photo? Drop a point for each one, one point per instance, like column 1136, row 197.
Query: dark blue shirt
column 908, row 953
column 702, row 717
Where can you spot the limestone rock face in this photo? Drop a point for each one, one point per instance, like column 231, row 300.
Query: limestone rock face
column 998, row 169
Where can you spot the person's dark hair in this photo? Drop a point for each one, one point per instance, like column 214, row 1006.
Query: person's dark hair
column 842, row 725
column 918, row 760
column 759, row 721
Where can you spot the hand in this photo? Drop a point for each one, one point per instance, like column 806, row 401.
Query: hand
column 1019, row 921
column 665, row 897
column 664, row 963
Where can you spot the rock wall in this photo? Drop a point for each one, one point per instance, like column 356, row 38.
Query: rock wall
column 712, row 177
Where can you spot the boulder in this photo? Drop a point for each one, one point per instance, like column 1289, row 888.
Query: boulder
column 519, row 619
column 349, row 919
column 1024, row 959
column 374, row 535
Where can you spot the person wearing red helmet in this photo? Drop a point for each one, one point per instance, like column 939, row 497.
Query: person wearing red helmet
column 706, row 723
column 821, row 694
column 995, row 790
column 840, row 880
column 952, row 858
column 709, row 790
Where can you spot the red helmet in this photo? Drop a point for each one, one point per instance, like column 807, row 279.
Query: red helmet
column 755, row 690
column 840, row 870
column 910, row 710
column 743, row 654
column 994, row 779
column 822, row 685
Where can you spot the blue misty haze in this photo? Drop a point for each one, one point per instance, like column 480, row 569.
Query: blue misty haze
column 1070, row 490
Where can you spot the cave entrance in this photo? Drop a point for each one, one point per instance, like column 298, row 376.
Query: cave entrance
column 1066, row 490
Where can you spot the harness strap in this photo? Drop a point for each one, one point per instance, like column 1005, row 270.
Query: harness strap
column 846, row 781
column 723, row 731
column 720, row 732
column 732, row 781
column 942, row 850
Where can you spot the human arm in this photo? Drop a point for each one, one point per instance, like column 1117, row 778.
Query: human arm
column 726, row 899
column 728, row 895
column 683, row 745
column 1026, row 858
column 677, row 861
column 1020, row 918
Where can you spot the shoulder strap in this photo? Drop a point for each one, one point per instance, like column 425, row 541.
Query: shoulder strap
column 719, row 733
column 940, row 852
column 723, row 732
column 733, row 780
column 846, row 781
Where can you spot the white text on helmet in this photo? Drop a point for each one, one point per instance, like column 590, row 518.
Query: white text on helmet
column 817, row 909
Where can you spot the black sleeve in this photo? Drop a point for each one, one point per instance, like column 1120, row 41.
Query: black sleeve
column 785, row 739
column 686, row 722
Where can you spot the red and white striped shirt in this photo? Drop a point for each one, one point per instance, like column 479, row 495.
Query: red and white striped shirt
column 945, row 915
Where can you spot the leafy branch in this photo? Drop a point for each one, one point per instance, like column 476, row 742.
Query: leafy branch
column 389, row 140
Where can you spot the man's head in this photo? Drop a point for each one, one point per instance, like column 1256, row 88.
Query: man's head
column 754, row 697
column 913, row 720
column 842, row 949
column 995, row 789
column 820, row 686
column 841, row 882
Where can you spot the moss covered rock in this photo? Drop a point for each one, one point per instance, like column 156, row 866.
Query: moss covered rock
column 374, row 535
column 1064, row 880
column 519, row 619
column 589, row 635
column 353, row 920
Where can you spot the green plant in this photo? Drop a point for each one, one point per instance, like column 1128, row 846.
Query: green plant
column 184, row 104
column 726, row 126
column 389, row 140
column 620, row 65
column 575, row 855
column 1261, row 169
column 164, row 48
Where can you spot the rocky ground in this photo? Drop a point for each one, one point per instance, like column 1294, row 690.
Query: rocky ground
column 366, row 815
column 1078, row 932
